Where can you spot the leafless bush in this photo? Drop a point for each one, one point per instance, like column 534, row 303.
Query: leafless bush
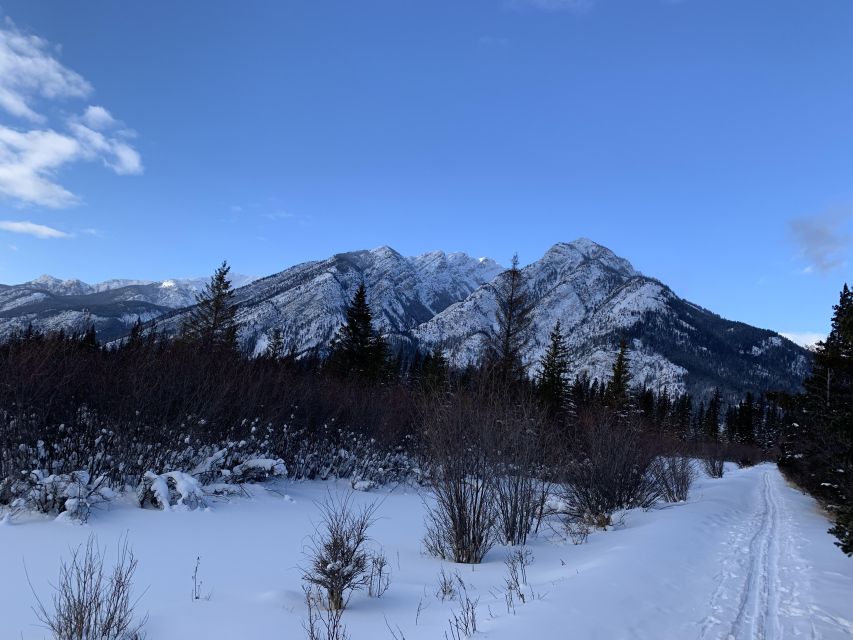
column 714, row 460
column 463, row 624
column 674, row 475
column 446, row 585
column 516, row 564
column 89, row 603
column 378, row 575
column 577, row 529
column 322, row 623
column 520, row 492
column 611, row 469
column 338, row 555
column 460, row 523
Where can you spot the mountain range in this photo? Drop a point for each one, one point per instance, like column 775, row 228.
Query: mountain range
column 447, row 300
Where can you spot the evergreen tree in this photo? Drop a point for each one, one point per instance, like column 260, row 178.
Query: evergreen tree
column 730, row 427
column 275, row 346
column 711, row 423
column 682, row 411
column 435, row 369
column 616, row 394
column 830, row 387
column 580, row 396
column 89, row 338
column 646, row 404
column 662, row 411
column 553, row 378
column 358, row 349
column 506, row 343
column 210, row 323
column 699, row 422
column 819, row 446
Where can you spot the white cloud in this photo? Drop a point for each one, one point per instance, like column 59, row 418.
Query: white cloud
column 31, row 159
column 32, row 229
column 96, row 117
column 29, row 71
column 804, row 339
column 28, row 161
column 115, row 153
column 822, row 240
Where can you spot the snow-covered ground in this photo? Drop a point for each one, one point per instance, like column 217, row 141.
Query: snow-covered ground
column 747, row 557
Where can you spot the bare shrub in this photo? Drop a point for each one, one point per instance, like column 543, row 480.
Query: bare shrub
column 611, row 469
column 446, row 589
column 338, row 555
column 90, row 603
column 577, row 529
column 519, row 491
column 460, row 523
column 674, row 475
column 322, row 623
column 463, row 623
column 714, row 459
column 378, row 575
column 516, row 564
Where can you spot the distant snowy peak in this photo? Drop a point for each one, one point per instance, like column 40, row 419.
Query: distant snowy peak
column 599, row 299
column 307, row 301
column 568, row 256
column 56, row 286
column 74, row 286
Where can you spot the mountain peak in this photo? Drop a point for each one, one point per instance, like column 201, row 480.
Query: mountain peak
column 575, row 253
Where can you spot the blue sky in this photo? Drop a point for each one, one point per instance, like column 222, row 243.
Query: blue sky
column 710, row 142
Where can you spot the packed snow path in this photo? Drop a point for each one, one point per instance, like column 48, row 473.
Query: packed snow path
column 763, row 589
column 746, row 558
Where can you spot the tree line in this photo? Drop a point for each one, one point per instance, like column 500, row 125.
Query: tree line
column 155, row 402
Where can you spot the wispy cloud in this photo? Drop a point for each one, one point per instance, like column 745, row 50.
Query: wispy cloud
column 33, row 153
column 32, row 229
column 804, row 339
column 823, row 240
column 28, row 71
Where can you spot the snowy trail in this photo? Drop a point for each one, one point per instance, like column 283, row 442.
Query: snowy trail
column 763, row 590
column 751, row 572
column 746, row 558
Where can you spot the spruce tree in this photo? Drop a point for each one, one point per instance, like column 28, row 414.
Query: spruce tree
column 711, row 425
column 553, row 378
column 506, row 343
column 275, row 345
column 822, row 451
column 616, row 394
column 210, row 323
column 358, row 349
column 434, row 369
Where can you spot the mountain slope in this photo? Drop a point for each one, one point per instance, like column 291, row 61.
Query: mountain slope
column 51, row 304
column 448, row 301
column 307, row 301
column 600, row 298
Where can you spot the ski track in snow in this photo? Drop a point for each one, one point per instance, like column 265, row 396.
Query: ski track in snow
column 762, row 590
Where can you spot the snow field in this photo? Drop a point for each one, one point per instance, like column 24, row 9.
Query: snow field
column 746, row 557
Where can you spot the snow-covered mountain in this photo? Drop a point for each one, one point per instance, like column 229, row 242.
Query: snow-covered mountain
column 600, row 298
column 113, row 306
column 307, row 301
column 447, row 300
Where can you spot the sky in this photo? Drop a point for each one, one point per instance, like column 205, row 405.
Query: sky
column 709, row 142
